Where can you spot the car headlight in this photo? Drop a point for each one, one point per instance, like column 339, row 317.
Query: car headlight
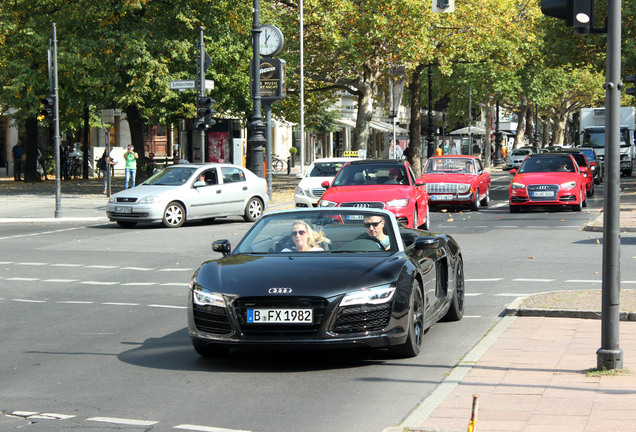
column 299, row 191
column 325, row 203
column 463, row 188
column 403, row 202
column 518, row 186
column 569, row 184
column 111, row 200
column 373, row 296
column 207, row 298
column 149, row 200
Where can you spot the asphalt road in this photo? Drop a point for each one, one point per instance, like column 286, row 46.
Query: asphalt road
column 93, row 327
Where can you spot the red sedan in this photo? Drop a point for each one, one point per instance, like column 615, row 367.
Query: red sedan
column 456, row 180
column 387, row 184
column 547, row 179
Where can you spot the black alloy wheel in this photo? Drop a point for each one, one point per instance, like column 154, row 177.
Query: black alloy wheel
column 413, row 344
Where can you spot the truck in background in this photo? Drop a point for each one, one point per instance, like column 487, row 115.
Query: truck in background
column 592, row 134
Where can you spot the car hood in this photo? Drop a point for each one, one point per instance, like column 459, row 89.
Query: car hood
column 543, row 178
column 447, row 178
column 311, row 274
column 382, row 193
column 142, row 191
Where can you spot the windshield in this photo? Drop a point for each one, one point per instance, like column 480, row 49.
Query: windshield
column 546, row 164
column 596, row 139
column 454, row 165
column 520, row 152
column 371, row 174
column 325, row 169
column 171, row 176
column 333, row 232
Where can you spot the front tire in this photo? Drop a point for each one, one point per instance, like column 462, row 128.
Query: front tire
column 474, row 206
column 413, row 344
column 173, row 215
column 253, row 210
column 456, row 309
column 486, row 201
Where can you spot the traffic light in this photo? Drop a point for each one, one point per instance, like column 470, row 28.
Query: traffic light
column 631, row 90
column 578, row 14
column 204, row 113
column 49, row 107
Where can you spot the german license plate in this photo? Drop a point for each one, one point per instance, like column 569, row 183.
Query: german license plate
column 547, row 194
column 442, row 197
column 123, row 209
column 280, row 316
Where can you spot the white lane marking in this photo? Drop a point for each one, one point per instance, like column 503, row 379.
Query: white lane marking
column 31, row 264
column 52, row 416
column 207, row 428
column 23, row 413
column 139, row 283
column 60, row 280
column 175, row 269
column 506, row 226
column 75, row 302
column 472, row 294
column 137, row 268
column 179, row 284
column 28, row 301
column 472, row 316
column 36, row 234
column 484, row 280
column 120, row 304
column 167, row 306
column 533, row 280
column 99, row 283
column 66, row 265
column 584, row 281
column 628, row 282
column 99, row 266
column 130, row 422
column 23, row 279
column 7, row 262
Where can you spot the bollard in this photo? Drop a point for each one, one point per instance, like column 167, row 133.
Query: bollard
column 289, row 165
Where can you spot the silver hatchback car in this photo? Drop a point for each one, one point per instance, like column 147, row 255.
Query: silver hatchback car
column 191, row 191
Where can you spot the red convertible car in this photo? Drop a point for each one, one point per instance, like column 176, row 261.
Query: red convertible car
column 383, row 184
column 547, row 179
column 456, row 180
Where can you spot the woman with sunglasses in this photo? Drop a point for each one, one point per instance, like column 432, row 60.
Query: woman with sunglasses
column 306, row 239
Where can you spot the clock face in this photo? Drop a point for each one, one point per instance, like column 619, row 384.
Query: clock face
column 271, row 40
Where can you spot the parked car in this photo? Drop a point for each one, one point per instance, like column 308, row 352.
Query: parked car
column 516, row 157
column 456, row 180
column 191, row 191
column 310, row 188
column 547, row 179
column 350, row 292
column 594, row 161
column 369, row 184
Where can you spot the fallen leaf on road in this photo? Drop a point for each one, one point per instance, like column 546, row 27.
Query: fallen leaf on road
column 531, row 258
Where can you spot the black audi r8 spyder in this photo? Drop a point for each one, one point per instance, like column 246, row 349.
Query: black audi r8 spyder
column 325, row 278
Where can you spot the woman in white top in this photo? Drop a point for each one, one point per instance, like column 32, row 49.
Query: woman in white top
column 306, row 239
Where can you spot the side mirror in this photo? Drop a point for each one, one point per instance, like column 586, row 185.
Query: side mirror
column 426, row 243
column 420, row 182
column 513, row 171
column 325, row 184
column 198, row 184
column 222, row 246
column 299, row 175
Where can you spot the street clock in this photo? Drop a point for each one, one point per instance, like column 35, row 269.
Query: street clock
column 271, row 40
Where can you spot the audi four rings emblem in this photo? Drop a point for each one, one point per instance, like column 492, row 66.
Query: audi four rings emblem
column 543, row 187
column 361, row 205
column 279, row 290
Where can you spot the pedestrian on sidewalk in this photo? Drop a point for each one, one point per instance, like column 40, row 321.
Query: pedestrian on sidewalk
column 17, row 160
column 131, row 166
column 105, row 163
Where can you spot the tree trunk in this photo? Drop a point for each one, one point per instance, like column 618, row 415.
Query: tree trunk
column 415, row 127
column 30, row 150
column 362, row 132
column 521, row 123
column 137, row 125
column 546, row 130
column 488, row 145
column 530, row 126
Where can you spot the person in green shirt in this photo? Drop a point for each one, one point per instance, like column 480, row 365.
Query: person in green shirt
column 131, row 166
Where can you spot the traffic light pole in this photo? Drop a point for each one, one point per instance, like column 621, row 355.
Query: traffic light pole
column 255, row 126
column 56, row 123
column 202, row 86
column 609, row 355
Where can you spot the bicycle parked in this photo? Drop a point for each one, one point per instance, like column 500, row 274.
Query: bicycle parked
column 278, row 164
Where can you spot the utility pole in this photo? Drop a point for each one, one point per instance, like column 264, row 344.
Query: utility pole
column 255, row 126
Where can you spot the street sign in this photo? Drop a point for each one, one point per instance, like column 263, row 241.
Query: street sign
column 182, row 85
column 209, row 84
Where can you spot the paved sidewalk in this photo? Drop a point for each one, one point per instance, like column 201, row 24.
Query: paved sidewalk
column 530, row 375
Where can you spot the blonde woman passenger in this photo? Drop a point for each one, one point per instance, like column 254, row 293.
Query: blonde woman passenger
column 306, row 239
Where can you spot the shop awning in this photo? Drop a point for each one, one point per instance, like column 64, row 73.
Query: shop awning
column 377, row 125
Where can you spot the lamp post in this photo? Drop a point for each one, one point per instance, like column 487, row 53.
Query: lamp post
column 255, row 126
column 430, row 139
column 498, row 139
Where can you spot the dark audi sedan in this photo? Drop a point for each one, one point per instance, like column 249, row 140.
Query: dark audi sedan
column 326, row 278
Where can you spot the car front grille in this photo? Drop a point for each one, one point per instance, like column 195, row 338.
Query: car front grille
column 317, row 193
column 126, row 200
column 211, row 319
column 372, row 204
column 362, row 319
column 318, row 305
column 448, row 188
column 543, row 188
